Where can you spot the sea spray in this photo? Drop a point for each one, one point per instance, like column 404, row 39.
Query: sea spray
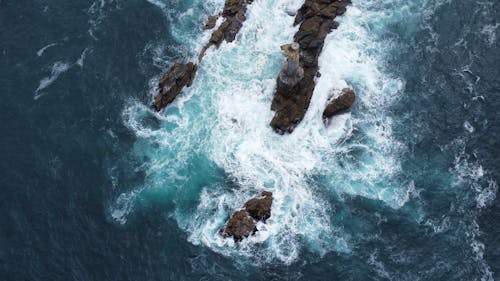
column 221, row 124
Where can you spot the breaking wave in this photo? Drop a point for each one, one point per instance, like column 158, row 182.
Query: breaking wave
column 213, row 148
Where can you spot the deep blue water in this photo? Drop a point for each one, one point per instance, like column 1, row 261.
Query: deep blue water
column 95, row 186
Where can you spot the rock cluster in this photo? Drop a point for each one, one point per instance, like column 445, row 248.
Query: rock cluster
column 181, row 75
column 290, row 102
column 339, row 104
column 243, row 222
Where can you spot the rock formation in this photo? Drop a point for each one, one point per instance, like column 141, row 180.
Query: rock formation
column 243, row 222
column 291, row 100
column 181, row 75
column 339, row 104
column 170, row 86
column 234, row 16
column 211, row 21
column 239, row 226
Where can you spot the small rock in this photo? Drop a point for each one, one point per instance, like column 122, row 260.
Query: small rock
column 239, row 226
column 340, row 104
column 212, row 20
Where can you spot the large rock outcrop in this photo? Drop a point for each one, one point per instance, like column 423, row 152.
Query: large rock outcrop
column 290, row 102
column 339, row 104
column 243, row 222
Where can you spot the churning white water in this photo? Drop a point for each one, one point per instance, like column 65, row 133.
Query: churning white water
column 222, row 122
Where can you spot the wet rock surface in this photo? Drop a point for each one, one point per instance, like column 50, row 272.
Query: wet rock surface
column 243, row 222
column 260, row 208
column 211, row 21
column 340, row 104
column 234, row 16
column 290, row 102
column 180, row 75
column 239, row 226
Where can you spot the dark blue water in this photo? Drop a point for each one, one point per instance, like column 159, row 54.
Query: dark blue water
column 84, row 194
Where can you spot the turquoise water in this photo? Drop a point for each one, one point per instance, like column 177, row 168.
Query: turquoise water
column 218, row 132
column 402, row 187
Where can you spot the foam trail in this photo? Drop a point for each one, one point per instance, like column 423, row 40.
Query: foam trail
column 489, row 31
column 42, row 50
column 57, row 69
column 80, row 60
column 470, row 173
column 221, row 123
column 158, row 3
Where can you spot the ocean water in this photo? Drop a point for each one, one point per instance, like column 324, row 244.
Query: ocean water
column 97, row 186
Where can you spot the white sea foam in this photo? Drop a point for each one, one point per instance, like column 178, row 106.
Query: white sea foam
column 468, row 127
column 97, row 13
column 224, row 117
column 472, row 173
column 350, row 56
column 57, row 69
column 469, row 172
column 490, row 31
column 379, row 267
column 80, row 60
column 123, row 207
column 478, row 249
column 42, row 50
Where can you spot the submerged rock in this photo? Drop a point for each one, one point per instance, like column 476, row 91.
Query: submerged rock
column 340, row 104
column 180, row 75
column 243, row 222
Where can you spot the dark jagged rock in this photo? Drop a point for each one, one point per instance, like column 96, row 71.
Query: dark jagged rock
column 234, row 16
column 180, row 75
column 243, row 222
column 316, row 19
column 340, row 104
column 260, row 208
column 218, row 35
column 239, row 226
column 211, row 21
